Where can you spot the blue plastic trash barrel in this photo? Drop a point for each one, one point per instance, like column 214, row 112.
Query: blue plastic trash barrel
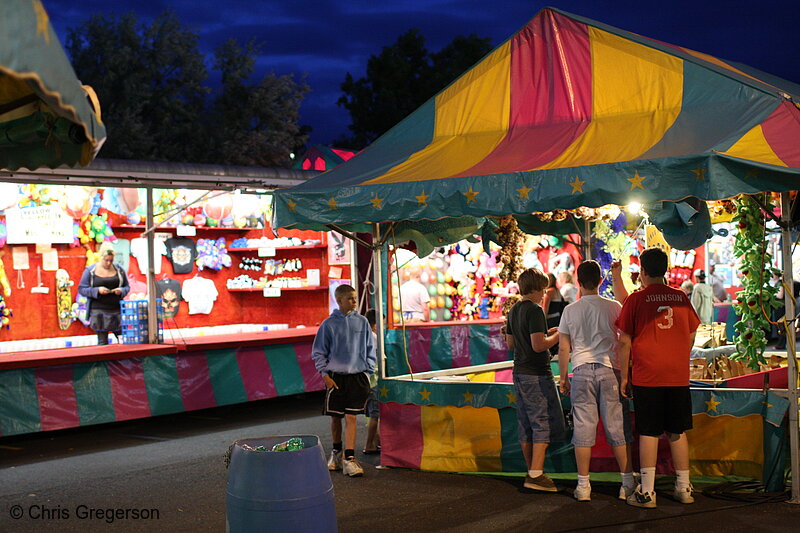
column 288, row 492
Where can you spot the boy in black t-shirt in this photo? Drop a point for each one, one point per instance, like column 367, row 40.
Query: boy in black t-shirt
column 539, row 414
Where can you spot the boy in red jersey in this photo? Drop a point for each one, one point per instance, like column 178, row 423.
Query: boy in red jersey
column 657, row 328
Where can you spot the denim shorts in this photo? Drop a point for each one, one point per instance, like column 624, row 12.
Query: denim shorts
column 539, row 414
column 595, row 394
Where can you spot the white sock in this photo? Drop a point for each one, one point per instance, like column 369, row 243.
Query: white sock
column 627, row 479
column 683, row 478
column 583, row 481
column 648, row 479
column 535, row 473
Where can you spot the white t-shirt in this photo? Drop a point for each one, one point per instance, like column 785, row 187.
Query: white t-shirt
column 200, row 293
column 569, row 292
column 589, row 322
column 139, row 251
column 414, row 297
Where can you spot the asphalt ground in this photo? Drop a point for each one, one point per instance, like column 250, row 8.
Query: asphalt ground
column 174, row 465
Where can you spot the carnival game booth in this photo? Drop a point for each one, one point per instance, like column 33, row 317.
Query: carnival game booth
column 568, row 113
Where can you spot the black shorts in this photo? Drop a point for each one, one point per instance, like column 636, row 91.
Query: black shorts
column 351, row 396
column 660, row 409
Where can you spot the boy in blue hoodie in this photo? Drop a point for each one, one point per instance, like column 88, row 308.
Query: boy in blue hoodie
column 343, row 353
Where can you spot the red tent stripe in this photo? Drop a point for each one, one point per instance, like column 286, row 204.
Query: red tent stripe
column 256, row 373
column 551, row 86
column 195, row 381
column 782, row 131
column 58, row 406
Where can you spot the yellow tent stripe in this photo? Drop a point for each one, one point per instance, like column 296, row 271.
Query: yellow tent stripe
column 471, row 119
column 727, row 445
column 637, row 93
column 461, row 439
column 753, row 146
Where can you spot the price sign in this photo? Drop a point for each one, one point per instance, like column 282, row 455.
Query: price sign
column 266, row 252
column 272, row 292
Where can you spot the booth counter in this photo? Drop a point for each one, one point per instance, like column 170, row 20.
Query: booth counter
column 58, row 389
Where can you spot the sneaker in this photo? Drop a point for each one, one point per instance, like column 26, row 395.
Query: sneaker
column 624, row 491
column 542, row 483
column 684, row 494
column 583, row 494
column 335, row 462
column 350, row 467
column 642, row 499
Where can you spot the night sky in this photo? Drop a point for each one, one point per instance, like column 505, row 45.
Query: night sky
column 324, row 40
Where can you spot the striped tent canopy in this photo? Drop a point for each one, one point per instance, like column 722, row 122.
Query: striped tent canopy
column 47, row 118
column 568, row 112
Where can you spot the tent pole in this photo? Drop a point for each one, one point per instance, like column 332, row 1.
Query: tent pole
column 791, row 353
column 152, row 314
column 587, row 240
column 377, row 274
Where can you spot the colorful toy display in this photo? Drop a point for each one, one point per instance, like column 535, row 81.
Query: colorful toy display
column 212, row 254
column 64, row 299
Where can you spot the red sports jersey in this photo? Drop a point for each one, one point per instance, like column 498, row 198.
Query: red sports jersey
column 660, row 321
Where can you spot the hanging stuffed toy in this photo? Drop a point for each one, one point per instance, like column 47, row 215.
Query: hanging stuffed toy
column 64, row 299
column 212, row 254
column 757, row 298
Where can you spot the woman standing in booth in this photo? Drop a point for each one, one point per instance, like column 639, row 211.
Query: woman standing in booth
column 104, row 284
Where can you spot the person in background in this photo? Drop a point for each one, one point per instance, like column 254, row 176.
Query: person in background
column 373, row 444
column 568, row 289
column 414, row 298
column 687, row 287
column 703, row 298
column 539, row 415
column 587, row 333
column 344, row 355
column 104, row 284
column 717, row 284
column 553, row 303
column 657, row 328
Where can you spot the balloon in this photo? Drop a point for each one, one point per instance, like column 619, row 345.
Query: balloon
column 432, row 290
column 199, row 220
column 434, row 317
column 219, row 207
column 440, row 277
column 448, row 302
column 424, row 277
column 446, row 315
column 128, row 200
column 432, row 303
column 396, row 317
column 134, row 218
column 78, row 201
column 396, row 304
column 440, row 288
column 440, row 301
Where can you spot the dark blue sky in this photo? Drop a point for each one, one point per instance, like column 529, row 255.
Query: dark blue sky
column 326, row 39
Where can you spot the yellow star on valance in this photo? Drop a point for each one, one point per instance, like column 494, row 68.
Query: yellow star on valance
column 470, row 194
column 42, row 21
column 512, row 398
column 384, row 392
column 291, row 205
column 636, row 180
column 332, row 203
column 422, row 199
column 426, row 394
column 523, row 192
column 376, row 202
column 712, row 404
column 468, row 397
column 577, row 185
column 700, row 173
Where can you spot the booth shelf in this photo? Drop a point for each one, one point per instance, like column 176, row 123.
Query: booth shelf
column 261, row 289
column 172, row 228
column 302, row 247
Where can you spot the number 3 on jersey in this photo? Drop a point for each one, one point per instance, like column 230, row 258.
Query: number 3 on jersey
column 665, row 321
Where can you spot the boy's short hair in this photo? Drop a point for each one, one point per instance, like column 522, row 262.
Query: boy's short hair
column 589, row 274
column 371, row 317
column 342, row 291
column 654, row 262
column 531, row 280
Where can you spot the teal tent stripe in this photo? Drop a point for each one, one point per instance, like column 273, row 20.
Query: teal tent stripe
column 226, row 379
column 163, row 386
column 441, row 353
column 511, row 457
column 479, row 344
column 92, row 386
column 19, row 402
column 285, row 369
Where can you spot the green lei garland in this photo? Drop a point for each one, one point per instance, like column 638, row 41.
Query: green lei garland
column 757, row 298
